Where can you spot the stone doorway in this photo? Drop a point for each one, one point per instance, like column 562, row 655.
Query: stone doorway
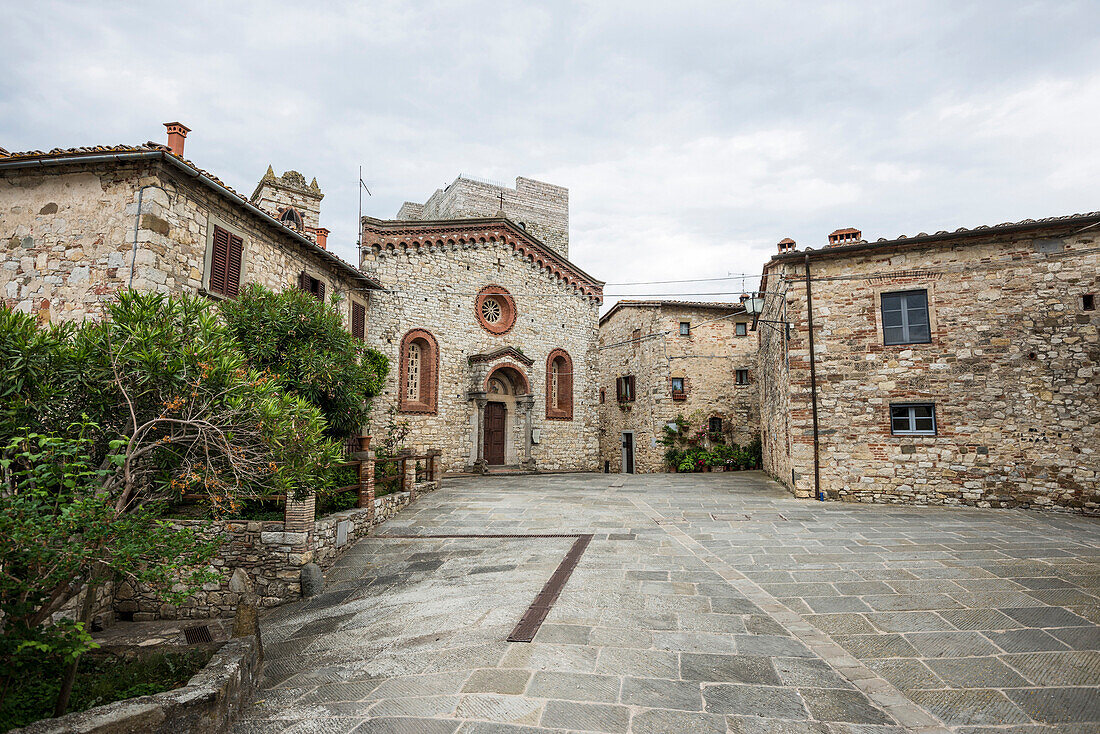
column 494, row 433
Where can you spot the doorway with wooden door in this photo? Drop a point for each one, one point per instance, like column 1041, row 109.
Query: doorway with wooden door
column 494, row 433
column 628, row 452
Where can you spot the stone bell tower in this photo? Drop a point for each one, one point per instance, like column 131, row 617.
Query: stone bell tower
column 293, row 202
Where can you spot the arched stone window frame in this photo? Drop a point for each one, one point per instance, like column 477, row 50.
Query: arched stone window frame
column 562, row 409
column 291, row 217
column 507, row 309
column 428, row 399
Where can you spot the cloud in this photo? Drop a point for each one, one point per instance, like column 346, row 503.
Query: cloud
column 692, row 136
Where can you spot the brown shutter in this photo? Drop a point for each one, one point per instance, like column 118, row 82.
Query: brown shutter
column 219, row 260
column 619, row 389
column 358, row 321
column 320, row 291
column 303, row 281
column 233, row 266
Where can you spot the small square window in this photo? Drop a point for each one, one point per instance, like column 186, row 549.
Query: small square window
column 913, row 419
column 624, row 389
column 677, row 384
column 685, row 328
column 742, row 377
column 741, row 328
column 1088, row 302
column 715, row 425
column 905, row 318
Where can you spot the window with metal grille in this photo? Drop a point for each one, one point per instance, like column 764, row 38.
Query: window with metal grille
column 559, row 378
column 913, row 419
column 358, row 321
column 741, row 328
column 225, row 263
column 905, row 318
column 715, row 424
column 742, row 377
column 309, row 284
column 624, row 389
column 685, row 328
column 412, row 373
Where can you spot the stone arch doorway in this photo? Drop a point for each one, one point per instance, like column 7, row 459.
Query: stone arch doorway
column 504, row 419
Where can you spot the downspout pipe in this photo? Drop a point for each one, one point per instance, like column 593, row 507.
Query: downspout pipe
column 813, row 382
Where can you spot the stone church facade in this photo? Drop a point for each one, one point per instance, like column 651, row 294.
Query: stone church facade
column 491, row 336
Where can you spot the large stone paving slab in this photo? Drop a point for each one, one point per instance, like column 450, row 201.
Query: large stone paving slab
column 704, row 603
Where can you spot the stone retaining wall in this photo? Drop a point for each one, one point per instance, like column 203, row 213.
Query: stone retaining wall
column 260, row 557
column 206, row 705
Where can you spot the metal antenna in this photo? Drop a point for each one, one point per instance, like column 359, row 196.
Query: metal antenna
column 359, row 222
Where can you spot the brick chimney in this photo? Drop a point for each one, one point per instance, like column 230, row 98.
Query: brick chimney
column 846, row 236
column 786, row 245
column 177, row 133
column 322, row 237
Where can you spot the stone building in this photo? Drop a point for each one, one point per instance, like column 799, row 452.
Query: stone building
column 663, row 359
column 952, row 368
column 540, row 208
column 79, row 224
column 490, row 331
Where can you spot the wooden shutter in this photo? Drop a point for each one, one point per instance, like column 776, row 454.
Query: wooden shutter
column 303, row 281
column 233, row 266
column 619, row 388
column 358, row 321
column 629, row 387
column 320, row 292
column 219, row 261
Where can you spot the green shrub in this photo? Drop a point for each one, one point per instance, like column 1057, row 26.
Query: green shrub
column 303, row 343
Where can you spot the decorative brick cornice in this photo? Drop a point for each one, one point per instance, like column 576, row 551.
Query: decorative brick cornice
column 383, row 236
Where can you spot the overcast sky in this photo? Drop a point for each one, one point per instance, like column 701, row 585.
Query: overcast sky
column 692, row 136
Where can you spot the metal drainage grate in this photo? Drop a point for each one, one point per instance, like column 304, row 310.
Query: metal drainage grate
column 195, row 635
column 536, row 613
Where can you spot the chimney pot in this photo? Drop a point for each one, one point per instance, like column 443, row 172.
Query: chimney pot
column 177, row 133
column 846, row 236
column 786, row 245
column 322, row 237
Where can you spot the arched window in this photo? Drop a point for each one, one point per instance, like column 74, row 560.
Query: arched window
column 291, row 218
column 559, row 385
column 418, row 380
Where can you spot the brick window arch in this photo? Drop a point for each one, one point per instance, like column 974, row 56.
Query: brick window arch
column 418, row 376
column 559, row 385
column 495, row 309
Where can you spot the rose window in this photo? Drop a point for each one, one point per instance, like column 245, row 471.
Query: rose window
column 491, row 310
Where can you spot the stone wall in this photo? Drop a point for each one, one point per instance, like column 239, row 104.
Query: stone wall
column 260, row 558
column 541, row 208
column 707, row 359
column 435, row 289
column 208, row 704
column 68, row 232
column 1011, row 369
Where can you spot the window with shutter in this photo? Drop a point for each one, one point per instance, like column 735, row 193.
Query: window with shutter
column 309, row 284
column 358, row 321
column 225, row 263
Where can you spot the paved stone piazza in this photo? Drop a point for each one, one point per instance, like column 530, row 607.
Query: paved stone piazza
column 704, row 603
